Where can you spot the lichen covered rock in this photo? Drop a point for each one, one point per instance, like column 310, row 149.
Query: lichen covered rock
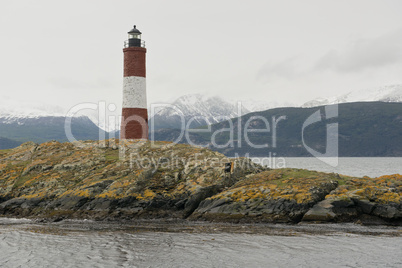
column 115, row 179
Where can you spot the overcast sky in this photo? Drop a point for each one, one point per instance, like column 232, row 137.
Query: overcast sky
column 69, row 52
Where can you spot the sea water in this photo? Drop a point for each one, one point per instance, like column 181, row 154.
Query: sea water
column 351, row 166
column 90, row 244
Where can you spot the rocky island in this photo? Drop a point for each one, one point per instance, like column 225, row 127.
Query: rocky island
column 112, row 180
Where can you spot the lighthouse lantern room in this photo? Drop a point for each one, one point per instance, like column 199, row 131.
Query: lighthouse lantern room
column 134, row 38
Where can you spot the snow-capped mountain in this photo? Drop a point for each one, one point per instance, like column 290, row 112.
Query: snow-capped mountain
column 16, row 111
column 38, row 122
column 198, row 110
column 192, row 111
column 391, row 93
column 13, row 111
column 258, row 105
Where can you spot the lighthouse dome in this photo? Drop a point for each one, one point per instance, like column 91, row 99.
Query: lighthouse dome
column 134, row 31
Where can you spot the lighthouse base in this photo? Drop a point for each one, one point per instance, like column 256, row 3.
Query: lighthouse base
column 134, row 124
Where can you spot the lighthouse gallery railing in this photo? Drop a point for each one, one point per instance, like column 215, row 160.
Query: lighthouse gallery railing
column 126, row 43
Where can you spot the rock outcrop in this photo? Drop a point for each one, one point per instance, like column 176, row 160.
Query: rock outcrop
column 106, row 179
column 113, row 180
column 283, row 195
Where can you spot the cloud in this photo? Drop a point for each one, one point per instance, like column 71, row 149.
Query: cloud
column 363, row 54
column 287, row 69
column 73, row 83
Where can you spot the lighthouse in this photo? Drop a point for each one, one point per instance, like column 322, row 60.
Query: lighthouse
column 134, row 124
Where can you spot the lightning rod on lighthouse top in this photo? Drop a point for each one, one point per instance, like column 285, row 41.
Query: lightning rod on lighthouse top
column 134, row 124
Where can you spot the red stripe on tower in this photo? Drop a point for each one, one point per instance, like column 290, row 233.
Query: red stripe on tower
column 134, row 124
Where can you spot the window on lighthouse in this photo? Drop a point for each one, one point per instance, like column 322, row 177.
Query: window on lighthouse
column 134, row 36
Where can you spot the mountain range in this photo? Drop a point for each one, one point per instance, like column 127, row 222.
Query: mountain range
column 390, row 93
column 39, row 122
column 202, row 110
column 46, row 128
column 358, row 129
column 190, row 111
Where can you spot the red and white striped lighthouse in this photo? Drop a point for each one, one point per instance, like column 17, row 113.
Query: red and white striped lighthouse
column 134, row 124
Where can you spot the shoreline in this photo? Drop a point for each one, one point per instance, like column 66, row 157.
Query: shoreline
column 200, row 227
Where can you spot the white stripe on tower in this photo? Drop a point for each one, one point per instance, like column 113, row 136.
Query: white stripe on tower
column 134, row 92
